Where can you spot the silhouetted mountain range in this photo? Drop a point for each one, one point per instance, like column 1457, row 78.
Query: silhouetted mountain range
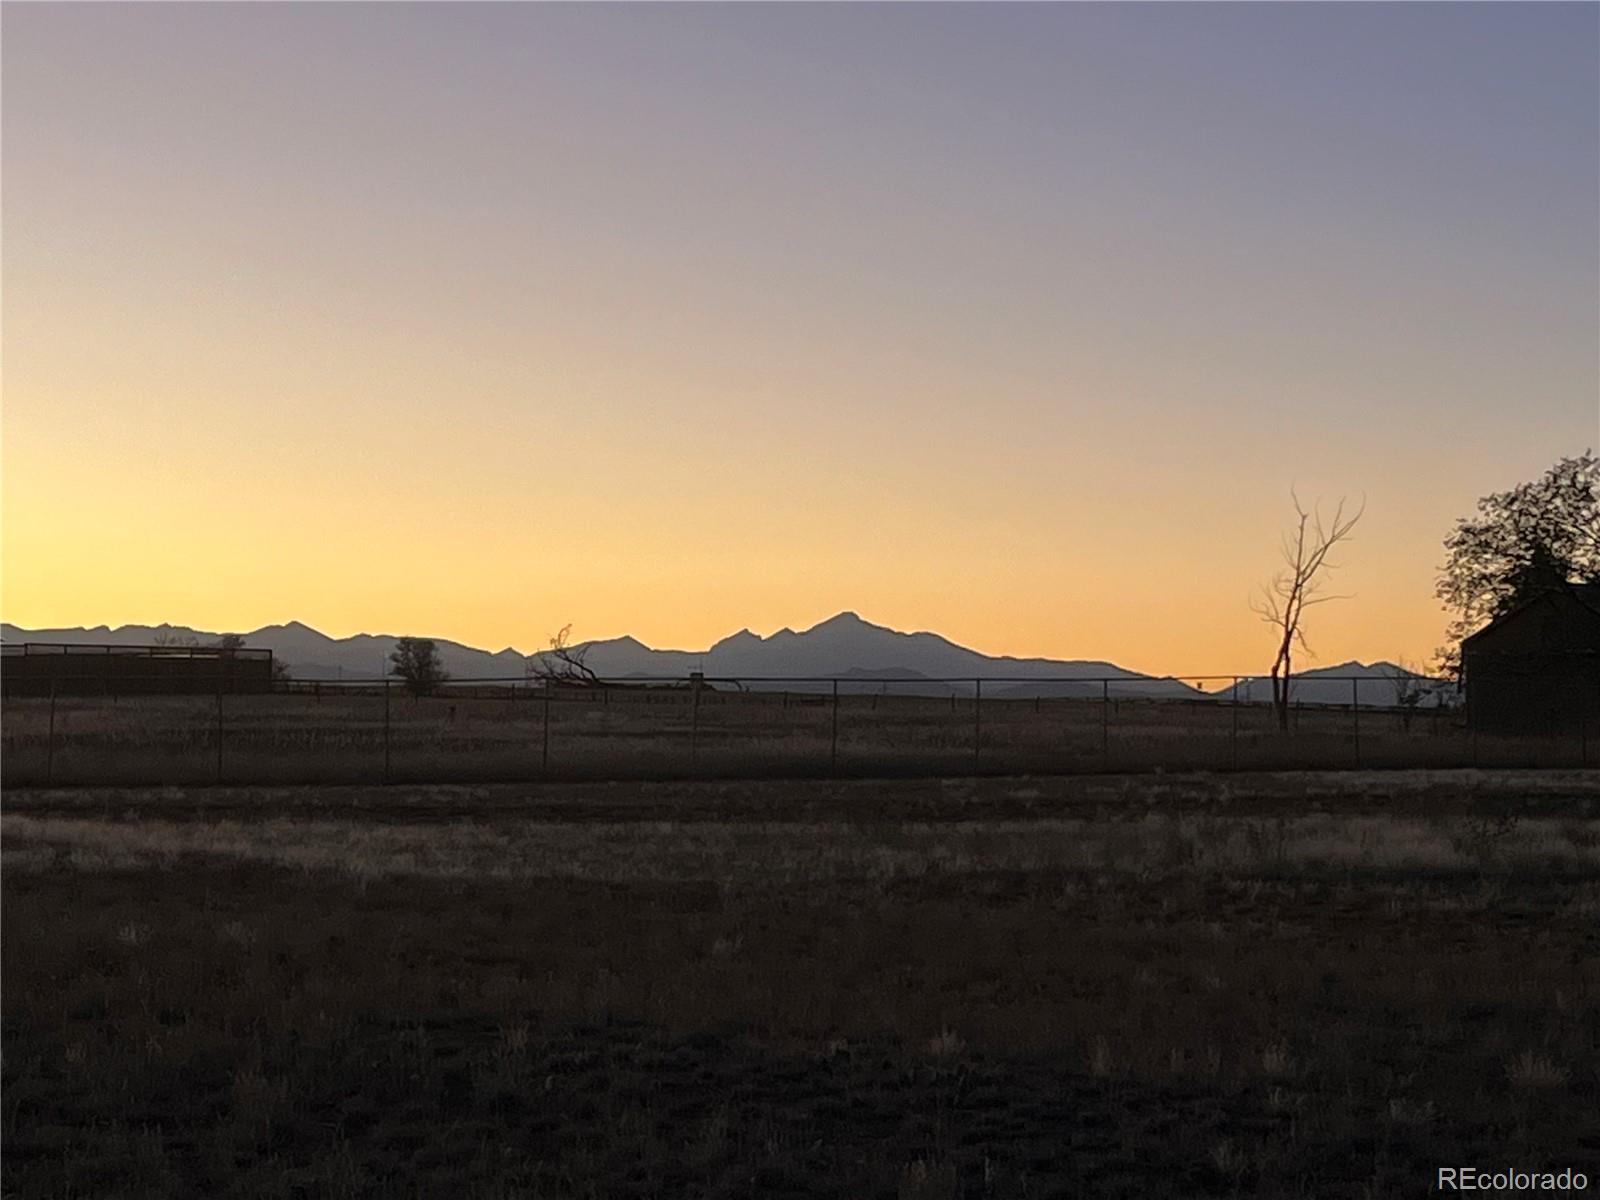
column 843, row 646
column 1377, row 685
column 870, row 657
column 879, row 658
column 309, row 653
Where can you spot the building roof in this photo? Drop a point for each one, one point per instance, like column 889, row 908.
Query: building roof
column 1586, row 596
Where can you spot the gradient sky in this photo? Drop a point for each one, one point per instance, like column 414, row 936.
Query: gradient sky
column 1012, row 322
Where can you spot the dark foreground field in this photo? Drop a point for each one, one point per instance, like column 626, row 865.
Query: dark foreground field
column 471, row 734
column 1277, row 986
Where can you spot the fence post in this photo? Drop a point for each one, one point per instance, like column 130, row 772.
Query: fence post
column 386, row 731
column 833, row 745
column 1105, row 725
column 50, row 739
column 219, row 722
column 544, row 753
column 1355, row 715
column 694, row 724
column 1586, row 717
column 1233, row 736
column 977, row 722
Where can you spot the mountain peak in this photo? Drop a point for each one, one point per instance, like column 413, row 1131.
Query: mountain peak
column 844, row 620
column 626, row 642
column 295, row 627
column 289, row 627
column 736, row 641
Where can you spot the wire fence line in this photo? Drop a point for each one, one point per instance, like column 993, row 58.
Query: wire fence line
column 466, row 730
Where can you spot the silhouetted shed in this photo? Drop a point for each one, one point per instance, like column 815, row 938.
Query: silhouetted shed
column 1536, row 669
column 71, row 669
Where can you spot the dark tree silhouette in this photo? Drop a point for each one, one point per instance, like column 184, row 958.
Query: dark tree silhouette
column 1283, row 602
column 562, row 662
column 230, row 641
column 1411, row 689
column 416, row 661
column 1537, row 536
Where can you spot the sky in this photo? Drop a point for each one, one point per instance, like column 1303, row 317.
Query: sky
column 1013, row 322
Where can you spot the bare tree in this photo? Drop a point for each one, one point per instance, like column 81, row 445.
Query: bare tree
column 562, row 662
column 1298, row 586
column 169, row 637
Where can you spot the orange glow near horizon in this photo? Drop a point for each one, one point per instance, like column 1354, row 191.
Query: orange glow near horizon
column 329, row 560
column 666, row 323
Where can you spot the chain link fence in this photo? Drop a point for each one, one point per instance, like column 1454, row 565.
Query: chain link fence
column 514, row 729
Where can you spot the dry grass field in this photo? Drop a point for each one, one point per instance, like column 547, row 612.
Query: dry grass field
column 1319, row 985
column 349, row 736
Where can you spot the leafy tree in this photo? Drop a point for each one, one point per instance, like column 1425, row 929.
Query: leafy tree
column 1535, row 537
column 416, row 660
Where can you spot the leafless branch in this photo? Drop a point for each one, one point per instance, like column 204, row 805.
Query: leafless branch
column 562, row 662
column 1283, row 601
